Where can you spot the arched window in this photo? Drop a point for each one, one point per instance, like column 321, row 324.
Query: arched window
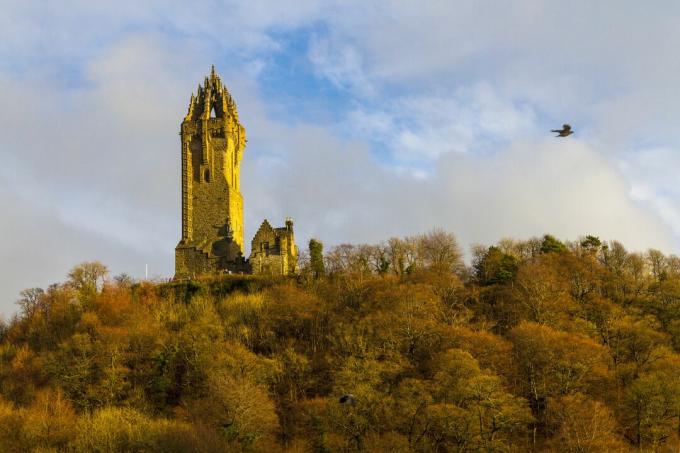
column 206, row 175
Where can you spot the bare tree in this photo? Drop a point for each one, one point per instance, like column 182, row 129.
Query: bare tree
column 30, row 301
column 439, row 251
column 90, row 275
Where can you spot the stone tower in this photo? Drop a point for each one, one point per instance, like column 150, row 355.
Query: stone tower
column 213, row 141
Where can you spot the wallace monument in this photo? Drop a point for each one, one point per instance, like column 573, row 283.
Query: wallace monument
column 213, row 141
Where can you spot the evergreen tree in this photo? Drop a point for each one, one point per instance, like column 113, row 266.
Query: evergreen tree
column 316, row 258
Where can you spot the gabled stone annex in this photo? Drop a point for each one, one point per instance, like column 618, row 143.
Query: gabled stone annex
column 273, row 250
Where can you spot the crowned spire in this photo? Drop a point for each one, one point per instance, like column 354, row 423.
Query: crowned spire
column 212, row 94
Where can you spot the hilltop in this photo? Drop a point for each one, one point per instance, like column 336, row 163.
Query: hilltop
column 538, row 344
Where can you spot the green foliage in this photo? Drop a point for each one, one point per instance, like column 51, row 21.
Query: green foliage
column 552, row 245
column 495, row 267
column 538, row 346
column 591, row 243
column 316, row 258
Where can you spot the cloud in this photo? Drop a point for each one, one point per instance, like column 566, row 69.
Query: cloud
column 74, row 31
column 39, row 247
column 653, row 176
column 530, row 188
column 473, row 119
column 98, row 153
column 90, row 173
column 565, row 188
column 611, row 68
column 341, row 64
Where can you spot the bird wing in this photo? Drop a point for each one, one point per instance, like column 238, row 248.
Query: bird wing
column 566, row 127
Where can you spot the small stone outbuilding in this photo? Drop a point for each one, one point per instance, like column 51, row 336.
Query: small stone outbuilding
column 273, row 250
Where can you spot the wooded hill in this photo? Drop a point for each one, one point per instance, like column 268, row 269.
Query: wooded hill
column 538, row 345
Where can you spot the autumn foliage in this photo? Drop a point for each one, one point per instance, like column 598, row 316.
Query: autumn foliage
column 537, row 345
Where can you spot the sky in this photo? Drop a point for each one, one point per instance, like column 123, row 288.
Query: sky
column 365, row 120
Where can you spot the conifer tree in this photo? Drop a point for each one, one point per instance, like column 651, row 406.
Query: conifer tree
column 316, row 258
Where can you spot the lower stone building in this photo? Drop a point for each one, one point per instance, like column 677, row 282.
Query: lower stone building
column 273, row 250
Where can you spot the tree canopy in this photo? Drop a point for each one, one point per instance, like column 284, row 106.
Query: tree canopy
column 538, row 345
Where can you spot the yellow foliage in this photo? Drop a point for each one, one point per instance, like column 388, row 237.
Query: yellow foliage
column 122, row 429
column 568, row 351
column 238, row 408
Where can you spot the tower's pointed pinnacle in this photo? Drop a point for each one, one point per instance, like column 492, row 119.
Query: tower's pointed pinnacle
column 212, row 71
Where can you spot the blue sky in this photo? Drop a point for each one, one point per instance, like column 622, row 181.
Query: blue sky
column 364, row 120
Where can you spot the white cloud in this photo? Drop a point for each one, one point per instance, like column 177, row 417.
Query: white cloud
column 38, row 248
column 653, row 174
column 337, row 192
column 341, row 64
column 561, row 187
column 423, row 128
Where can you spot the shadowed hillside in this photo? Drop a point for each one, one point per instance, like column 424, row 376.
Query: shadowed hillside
column 537, row 345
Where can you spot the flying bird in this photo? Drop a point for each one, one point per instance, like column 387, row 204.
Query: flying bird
column 348, row 399
column 565, row 131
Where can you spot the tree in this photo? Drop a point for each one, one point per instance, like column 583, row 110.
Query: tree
column 495, row 267
column 542, row 292
column 12, row 436
column 378, row 257
column 50, row 421
column 583, row 425
column 316, row 258
column 473, row 408
column 614, row 256
column 238, row 408
column 551, row 363
column 657, row 263
column 124, row 280
column 439, row 251
column 491, row 351
column 367, row 379
column 552, row 245
column 591, row 244
column 88, row 277
column 31, row 300
column 126, row 429
column 396, row 255
column 635, row 344
column 651, row 409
